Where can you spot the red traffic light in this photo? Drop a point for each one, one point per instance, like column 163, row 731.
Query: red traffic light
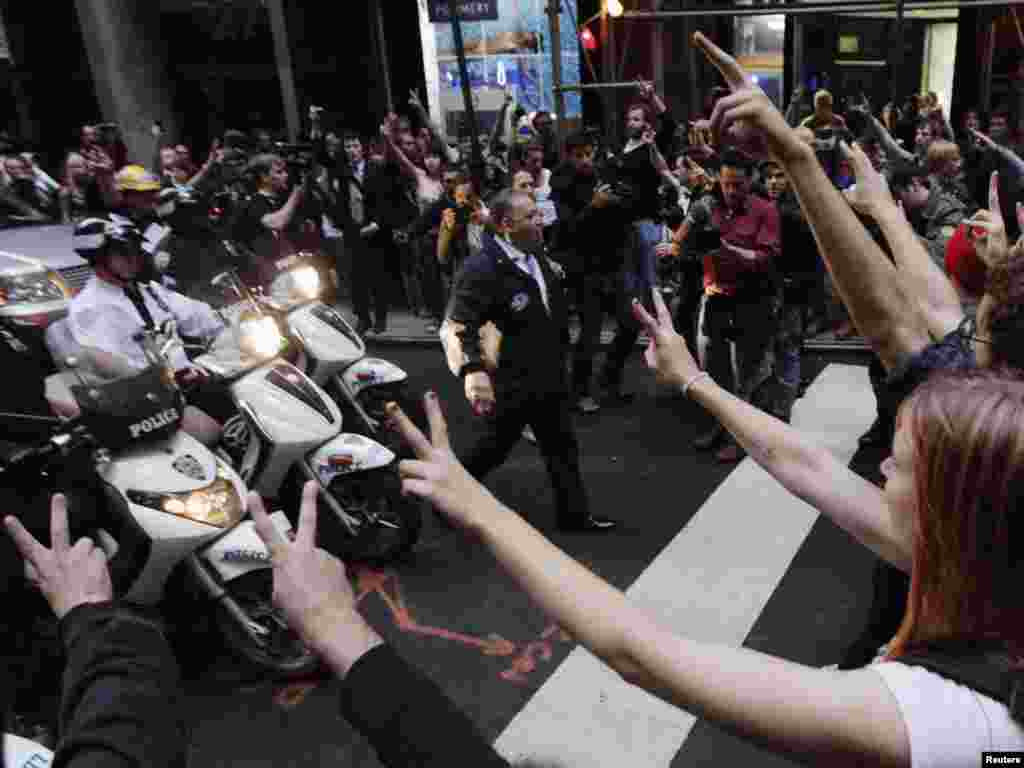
column 588, row 39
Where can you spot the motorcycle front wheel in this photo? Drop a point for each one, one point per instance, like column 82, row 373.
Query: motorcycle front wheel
column 280, row 652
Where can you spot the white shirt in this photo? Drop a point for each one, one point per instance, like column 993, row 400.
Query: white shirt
column 947, row 723
column 102, row 316
column 542, row 193
column 523, row 261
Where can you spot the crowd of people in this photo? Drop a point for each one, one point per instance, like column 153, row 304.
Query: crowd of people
column 722, row 238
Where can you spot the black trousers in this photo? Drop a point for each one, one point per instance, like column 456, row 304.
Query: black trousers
column 551, row 419
column 370, row 278
column 592, row 294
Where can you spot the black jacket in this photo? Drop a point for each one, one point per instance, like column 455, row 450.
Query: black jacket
column 122, row 705
column 407, row 718
column 121, row 702
column 587, row 239
column 490, row 287
column 342, row 178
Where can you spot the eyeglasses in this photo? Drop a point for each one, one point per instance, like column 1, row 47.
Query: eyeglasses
column 968, row 328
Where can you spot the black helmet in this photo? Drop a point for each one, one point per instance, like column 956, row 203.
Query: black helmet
column 93, row 235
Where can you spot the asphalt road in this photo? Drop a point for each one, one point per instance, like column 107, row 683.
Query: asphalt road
column 453, row 613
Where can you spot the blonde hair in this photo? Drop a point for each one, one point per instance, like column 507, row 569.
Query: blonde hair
column 939, row 153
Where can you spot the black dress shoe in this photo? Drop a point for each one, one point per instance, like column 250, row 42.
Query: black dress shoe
column 880, row 433
column 611, row 383
column 592, row 523
column 707, row 441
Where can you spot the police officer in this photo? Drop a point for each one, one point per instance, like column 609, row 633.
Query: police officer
column 116, row 304
column 512, row 284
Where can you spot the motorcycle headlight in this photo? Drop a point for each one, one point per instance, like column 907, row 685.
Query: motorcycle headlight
column 299, row 284
column 35, row 287
column 218, row 504
column 259, row 336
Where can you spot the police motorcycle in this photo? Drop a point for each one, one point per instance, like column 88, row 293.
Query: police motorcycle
column 173, row 520
column 289, row 431
column 333, row 354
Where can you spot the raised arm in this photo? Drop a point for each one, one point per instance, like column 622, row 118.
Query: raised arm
column 801, row 711
column 865, row 278
column 1009, row 159
column 450, row 155
column 407, row 166
column 934, row 295
column 893, row 151
column 215, row 156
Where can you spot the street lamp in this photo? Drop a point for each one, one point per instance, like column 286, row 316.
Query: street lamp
column 614, row 8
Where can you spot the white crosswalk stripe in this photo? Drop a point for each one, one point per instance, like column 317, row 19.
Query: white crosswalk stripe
column 711, row 583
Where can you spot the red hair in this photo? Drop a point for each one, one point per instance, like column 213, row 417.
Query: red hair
column 967, row 432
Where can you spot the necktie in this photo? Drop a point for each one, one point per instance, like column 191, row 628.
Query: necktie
column 134, row 294
column 530, row 262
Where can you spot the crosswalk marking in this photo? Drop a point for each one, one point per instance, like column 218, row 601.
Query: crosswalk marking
column 711, row 583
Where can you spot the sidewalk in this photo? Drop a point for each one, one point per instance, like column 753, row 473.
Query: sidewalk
column 406, row 328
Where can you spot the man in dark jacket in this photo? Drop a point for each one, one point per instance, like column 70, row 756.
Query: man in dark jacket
column 511, row 284
column 356, row 186
column 589, row 233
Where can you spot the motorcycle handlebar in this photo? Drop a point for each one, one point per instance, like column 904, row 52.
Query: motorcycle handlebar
column 71, row 436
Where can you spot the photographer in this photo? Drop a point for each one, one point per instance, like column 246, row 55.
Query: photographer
column 267, row 216
column 588, row 236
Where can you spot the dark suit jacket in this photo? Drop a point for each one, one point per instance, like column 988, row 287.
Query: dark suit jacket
column 491, row 288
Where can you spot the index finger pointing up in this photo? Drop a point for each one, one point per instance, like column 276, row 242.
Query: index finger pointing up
column 724, row 63
column 305, row 539
column 265, row 528
column 410, row 432
column 60, row 539
column 993, row 193
column 31, row 550
column 664, row 316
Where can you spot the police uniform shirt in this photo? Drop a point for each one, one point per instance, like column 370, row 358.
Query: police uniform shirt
column 103, row 317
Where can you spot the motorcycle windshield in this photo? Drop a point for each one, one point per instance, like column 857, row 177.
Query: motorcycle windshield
column 131, row 410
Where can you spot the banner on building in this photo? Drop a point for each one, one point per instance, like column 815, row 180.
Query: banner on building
column 469, row 10
column 511, row 53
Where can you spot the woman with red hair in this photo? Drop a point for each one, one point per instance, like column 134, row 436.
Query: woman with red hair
column 946, row 516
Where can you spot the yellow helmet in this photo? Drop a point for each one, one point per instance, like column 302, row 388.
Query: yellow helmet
column 135, row 178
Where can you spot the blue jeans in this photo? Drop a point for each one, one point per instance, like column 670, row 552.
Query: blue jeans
column 639, row 266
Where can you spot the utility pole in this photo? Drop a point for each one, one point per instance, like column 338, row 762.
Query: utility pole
column 382, row 50
column 285, row 72
column 553, row 10
column 477, row 162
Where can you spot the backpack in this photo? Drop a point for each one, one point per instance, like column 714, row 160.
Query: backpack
column 985, row 667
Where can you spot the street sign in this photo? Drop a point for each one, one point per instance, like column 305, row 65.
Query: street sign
column 469, row 10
